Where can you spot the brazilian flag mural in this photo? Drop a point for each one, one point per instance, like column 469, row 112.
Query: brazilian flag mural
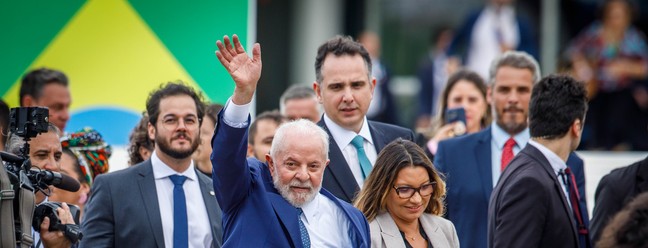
column 115, row 52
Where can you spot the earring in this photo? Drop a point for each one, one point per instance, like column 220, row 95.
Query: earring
column 83, row 198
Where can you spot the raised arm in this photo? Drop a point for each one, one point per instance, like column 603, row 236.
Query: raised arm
column 232, row 177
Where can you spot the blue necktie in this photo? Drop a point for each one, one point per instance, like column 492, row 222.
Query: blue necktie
column 302, row 230
column 365, row 165
column 180, row 230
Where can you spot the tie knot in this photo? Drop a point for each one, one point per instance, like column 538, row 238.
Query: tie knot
column 300, row 211
column 510, row 143
column 567, row 171
column 178, row 180
column 357, row 142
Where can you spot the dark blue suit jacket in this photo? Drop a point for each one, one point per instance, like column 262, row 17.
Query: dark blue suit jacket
column 254, row 213
column 338, row 178
column 466, row 163
column 123, row 210
column 461, row 42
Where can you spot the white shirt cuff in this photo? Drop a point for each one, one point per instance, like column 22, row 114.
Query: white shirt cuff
column 236, row 115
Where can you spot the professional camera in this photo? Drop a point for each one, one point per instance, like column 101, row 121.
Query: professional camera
column 28, row 122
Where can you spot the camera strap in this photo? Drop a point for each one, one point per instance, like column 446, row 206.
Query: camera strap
column 7, row 195
column 27, row 206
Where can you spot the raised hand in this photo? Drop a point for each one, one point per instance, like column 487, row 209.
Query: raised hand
column 244, row 70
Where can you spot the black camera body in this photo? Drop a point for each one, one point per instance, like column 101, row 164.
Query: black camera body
column 48, row 209
column 28, row 122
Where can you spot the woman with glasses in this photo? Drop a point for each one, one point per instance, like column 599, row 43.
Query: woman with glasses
column 403, row 199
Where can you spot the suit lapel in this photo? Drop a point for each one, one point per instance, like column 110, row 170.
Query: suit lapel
column 378, row 137
column 340, row 170
column 287, row 215
column 433, row 231
column 484, row 162
column 540, row 158
column 149, row 195
column 213, row 210
column 389, row 231
column 354, row 233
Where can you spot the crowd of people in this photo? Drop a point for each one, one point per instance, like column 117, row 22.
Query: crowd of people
column 492, row 166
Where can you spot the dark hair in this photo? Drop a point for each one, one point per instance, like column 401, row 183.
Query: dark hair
column 172, row 89
column 629, row 227
column 139, row 138
column 77, row 166
column 338, row 46
column 471, row 77
column 398, row 154
column 34, row 81
column 556, row 102
column 274, row 116
column 211, row 111
column 4, row 121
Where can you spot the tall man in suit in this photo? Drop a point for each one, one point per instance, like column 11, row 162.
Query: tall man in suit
column 146, row 205
column 473, row 163
column 281, row 202
column 344, row 87
column 535, row 201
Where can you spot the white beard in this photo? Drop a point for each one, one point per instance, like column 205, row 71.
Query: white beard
column 296, row 199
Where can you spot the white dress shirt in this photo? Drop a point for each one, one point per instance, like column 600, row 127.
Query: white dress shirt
column 327, row 224
column 343, row 138
column 498, row 139
column 197, row 219
column 484, row 46
column 557, row 164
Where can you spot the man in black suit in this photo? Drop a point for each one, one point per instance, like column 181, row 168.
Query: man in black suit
column 535, row 203
column 614, row 191
column 163, row 201
column 344, row 87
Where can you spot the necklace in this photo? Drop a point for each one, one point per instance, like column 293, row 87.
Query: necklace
column 412, row 238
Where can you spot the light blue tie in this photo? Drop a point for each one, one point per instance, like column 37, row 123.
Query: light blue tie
column 302, row 230
column 365, row 165
column 180, row 229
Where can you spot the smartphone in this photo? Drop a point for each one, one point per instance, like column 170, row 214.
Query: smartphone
column 456, row 114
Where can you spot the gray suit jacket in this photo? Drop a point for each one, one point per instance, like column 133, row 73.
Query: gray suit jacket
column 385, row 233
column 123, row 210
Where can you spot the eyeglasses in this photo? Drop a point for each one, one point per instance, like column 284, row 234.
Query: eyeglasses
column 406, row 192
column 171, row 123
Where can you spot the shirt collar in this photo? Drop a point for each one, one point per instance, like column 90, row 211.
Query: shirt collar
column 556, row 162
column 500, row 136
column 311, row 209
column 162, row 170
column 344, row 136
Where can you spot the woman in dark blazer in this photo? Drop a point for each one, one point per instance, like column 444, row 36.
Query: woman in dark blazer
column 403, row 199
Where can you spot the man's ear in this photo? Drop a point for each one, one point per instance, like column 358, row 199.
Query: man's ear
column 270, row 163
column 250, row 151
column 27, row 101
column 151, row 131
column 577, row 128
column 318, row 91
column 489, row 93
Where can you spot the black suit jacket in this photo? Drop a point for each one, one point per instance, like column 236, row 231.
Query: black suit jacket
column 338, row 178
column 614, row 191
column 528, row 207
column 123, row 210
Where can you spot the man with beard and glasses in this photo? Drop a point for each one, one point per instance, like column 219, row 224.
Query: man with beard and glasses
column 147, row 204
column 280, row 203
column 473, row 163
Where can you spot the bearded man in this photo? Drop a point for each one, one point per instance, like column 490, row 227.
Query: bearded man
column 146, row 205
column 280, row 203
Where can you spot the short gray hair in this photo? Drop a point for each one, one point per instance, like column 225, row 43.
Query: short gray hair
column 15, row 142
column 515, row 59
column 297, row 91
column 303, row 127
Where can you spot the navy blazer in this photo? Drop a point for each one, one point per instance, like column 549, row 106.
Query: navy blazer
column 461, row 42
column 529, row 208
column 254, row 213
column 467, row 166
column 338, row 178
column 123, row 210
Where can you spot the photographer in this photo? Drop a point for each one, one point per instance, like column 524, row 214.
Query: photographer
column 45, row 154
